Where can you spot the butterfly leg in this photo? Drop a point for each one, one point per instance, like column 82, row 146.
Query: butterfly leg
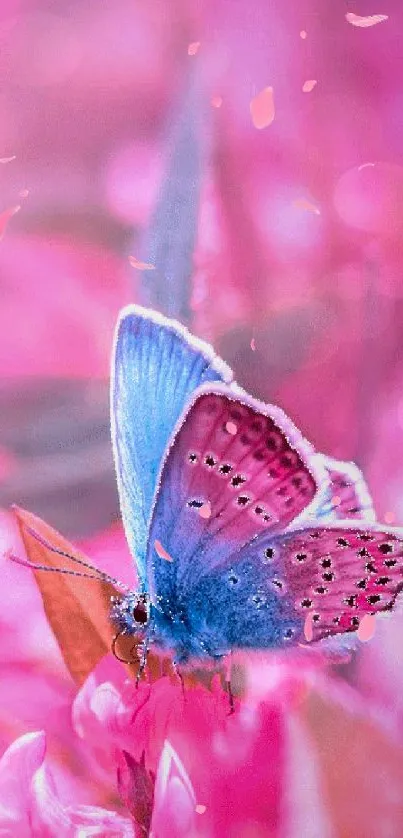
column 230, row 698
column 179, row 676
column 228, row 685
column 143, row 661
column 114, row 650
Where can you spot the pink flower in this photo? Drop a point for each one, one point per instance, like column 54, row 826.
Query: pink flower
column 30, row 803
column 235, row 763
column 170, row 761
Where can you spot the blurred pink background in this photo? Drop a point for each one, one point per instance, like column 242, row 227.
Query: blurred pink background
column 299, row 242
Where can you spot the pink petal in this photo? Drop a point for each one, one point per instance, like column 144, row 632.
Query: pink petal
column 27, row 799
column 216, row 101
column 29, row 802
column 262, row 108
column 309, row 85
column 304, row 787
column 161, row 552
column 302, row 203
column 365, row 21
column 174, row 798
column 141, row 266
column 17, row 768
column 366, row 629
column 96, row 821
column 95, row 716
column 106, row 704
column 193, row 48
column 308, row 628
column 205, row 510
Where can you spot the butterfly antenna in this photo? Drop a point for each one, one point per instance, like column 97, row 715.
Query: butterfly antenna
column 96, row 574
column 33, row 566
column 228, row 685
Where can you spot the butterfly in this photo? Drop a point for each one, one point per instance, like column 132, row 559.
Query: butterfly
column 239, row 529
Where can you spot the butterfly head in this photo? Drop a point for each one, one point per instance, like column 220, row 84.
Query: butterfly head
column 131, row 613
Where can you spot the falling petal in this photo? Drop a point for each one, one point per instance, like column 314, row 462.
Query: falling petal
column 309, row 85
column 161, row 552
column 231, row 428
column 365, row 21
column 141, row 266
column 7, row 159
column 308, row 628
column 262, row 108
column 193, row 48
column 390, row 517
column 303, row 34
column 302, row 203
column 253, row 345
column 200, row 809
column 205, row 510
column 216, row 101
column 24, row 193
column 5, row 217
column 366, row 629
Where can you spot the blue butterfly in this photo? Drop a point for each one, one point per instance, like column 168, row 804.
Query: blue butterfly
column 241, row 532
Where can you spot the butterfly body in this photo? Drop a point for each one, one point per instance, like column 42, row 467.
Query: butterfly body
column 239, row 529
column 199, row 632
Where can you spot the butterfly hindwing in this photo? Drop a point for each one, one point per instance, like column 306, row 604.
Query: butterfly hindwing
column 234, row 470
column 156, row 366
column 333, row 575
column 341, row 573
column 263, row 595
column 349, row 496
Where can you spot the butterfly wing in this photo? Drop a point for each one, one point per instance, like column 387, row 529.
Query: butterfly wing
column 235, row 469
column 333, row 575
column 340, row 573
column 349, row 496
column 156, row 366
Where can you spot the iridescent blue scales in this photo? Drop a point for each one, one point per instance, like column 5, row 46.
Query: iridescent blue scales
column 239, row 529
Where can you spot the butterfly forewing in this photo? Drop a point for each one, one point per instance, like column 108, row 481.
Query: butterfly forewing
column 156, row 367
column 233, row 472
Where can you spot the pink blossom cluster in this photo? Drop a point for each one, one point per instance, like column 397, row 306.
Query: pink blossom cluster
column 304, row 753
